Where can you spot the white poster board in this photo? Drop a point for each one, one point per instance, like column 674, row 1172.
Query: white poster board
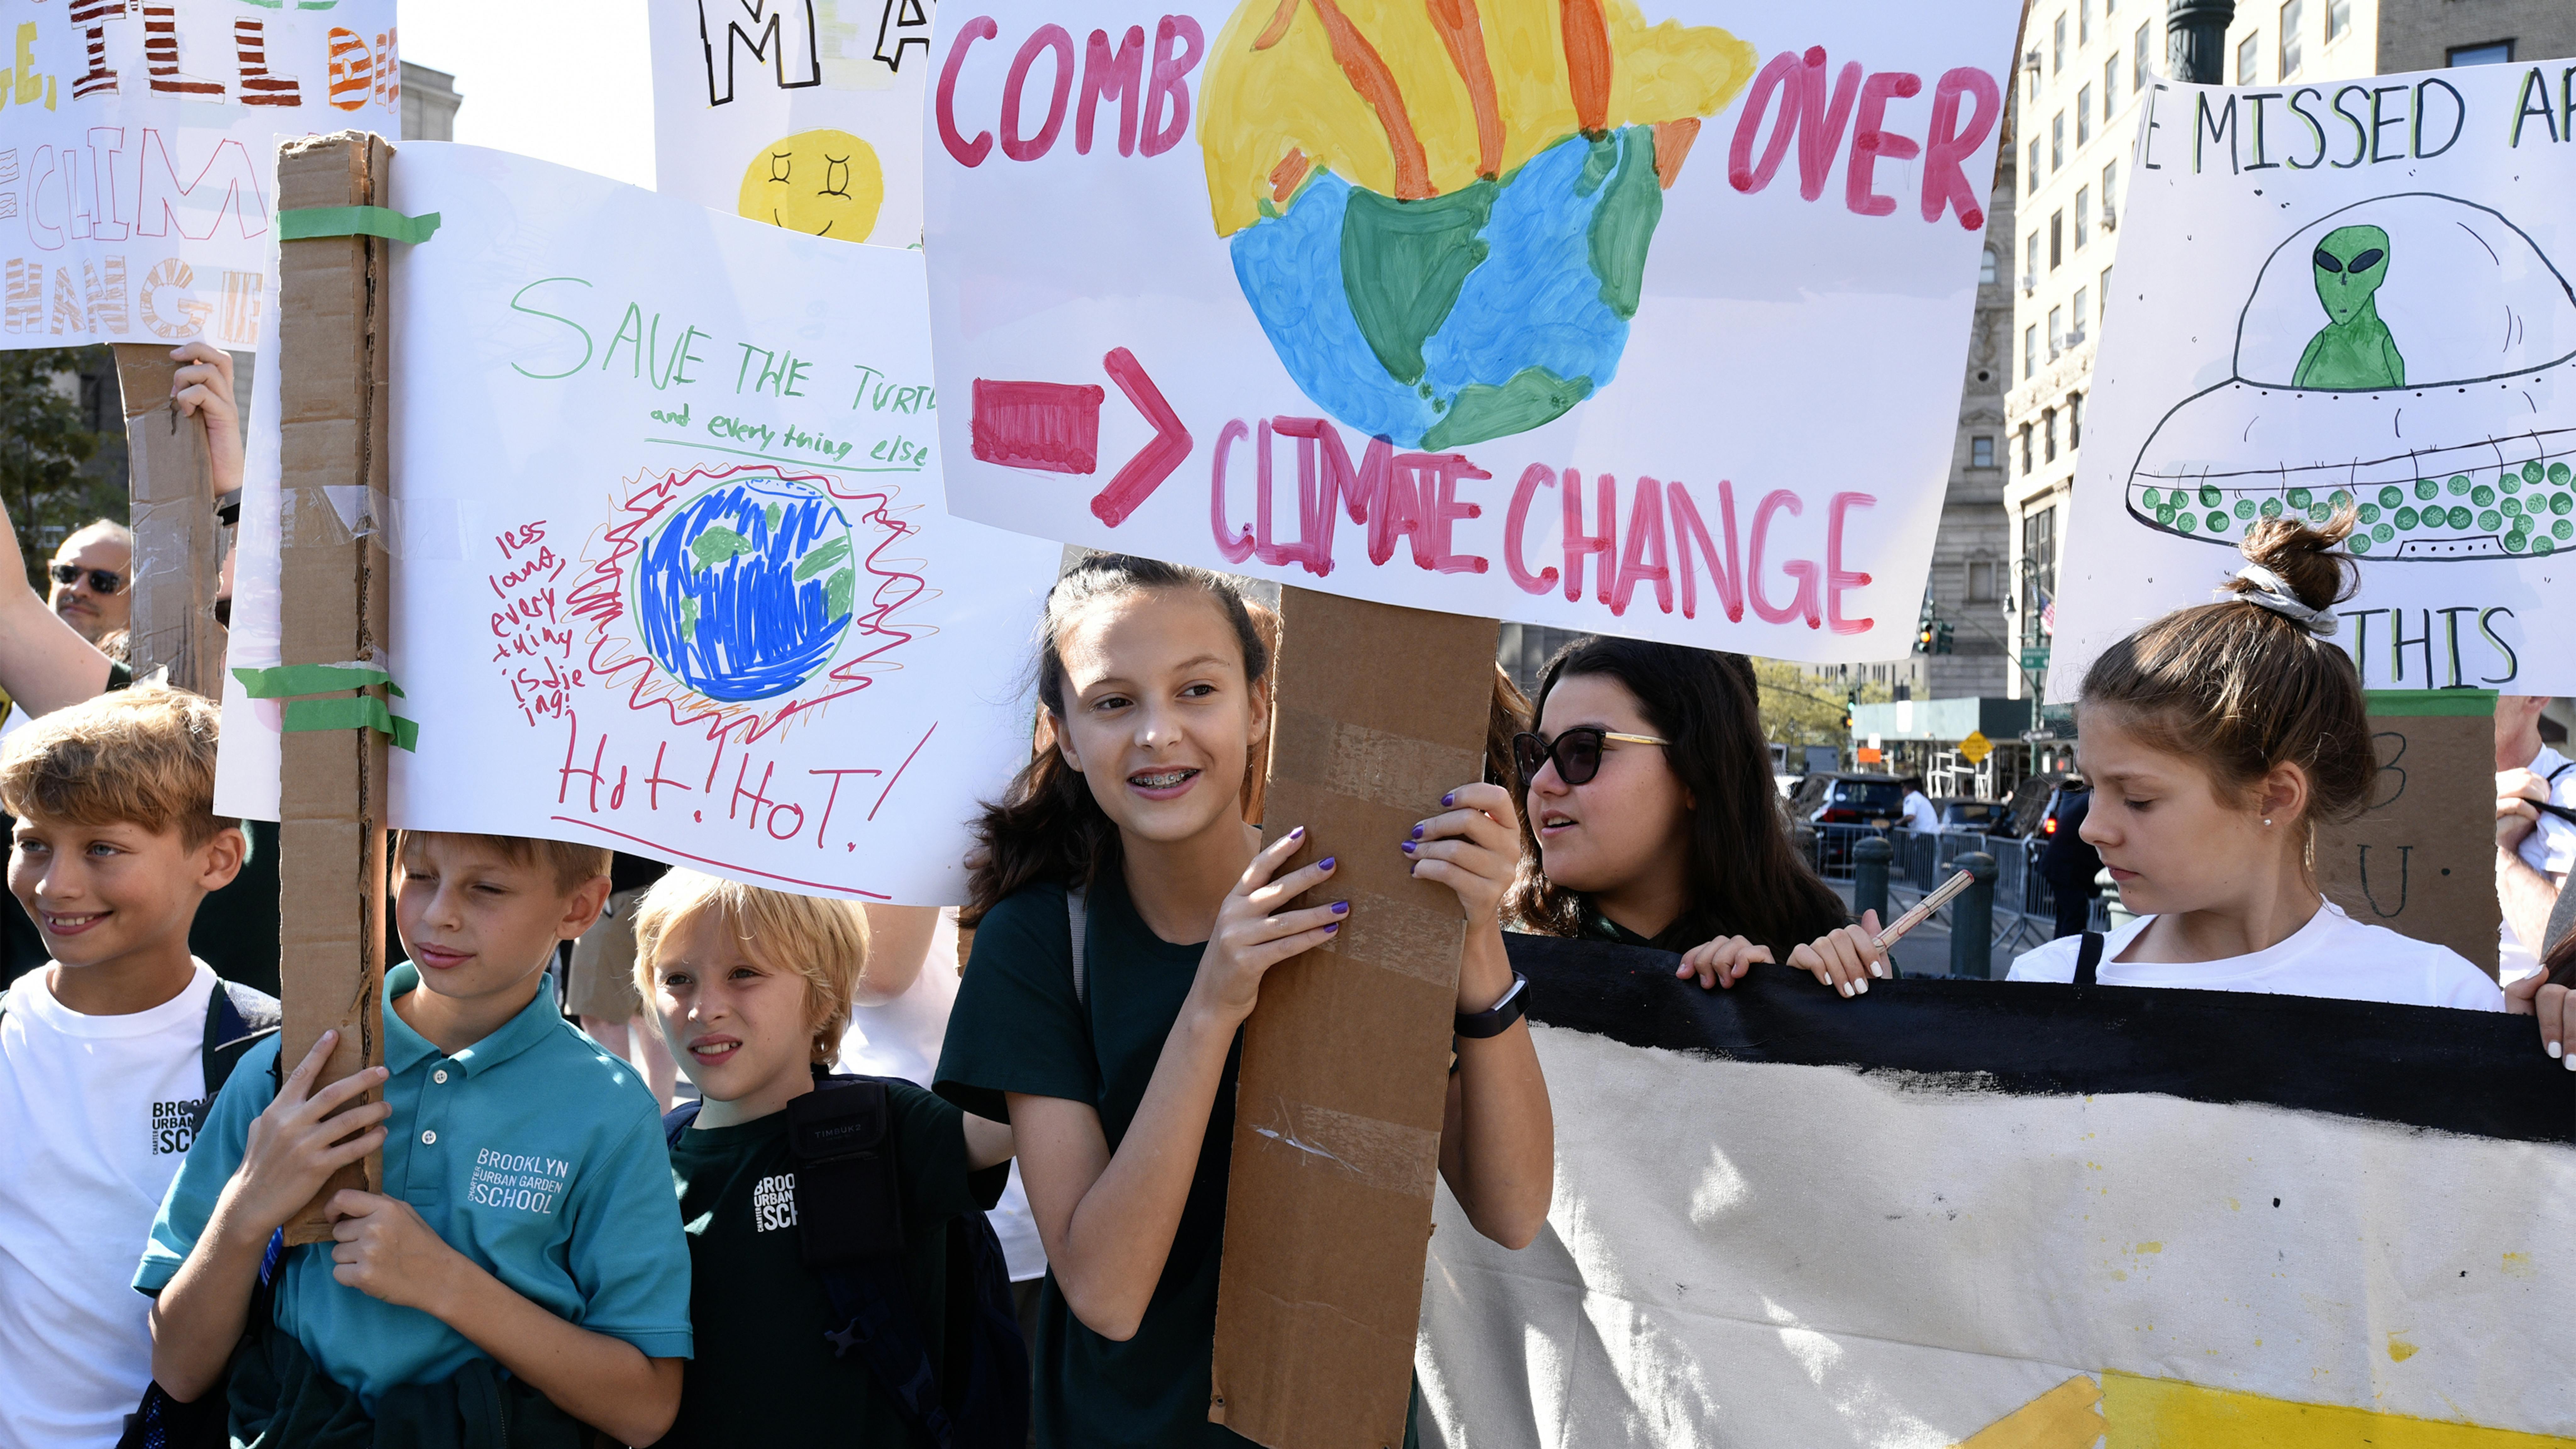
column 801, row 113
column 137, row 145
column 2350, row 291
column 671, row 573
column 1644, row 316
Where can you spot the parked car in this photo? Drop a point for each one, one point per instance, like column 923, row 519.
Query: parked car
column 1852, row 799
column 1974, row 817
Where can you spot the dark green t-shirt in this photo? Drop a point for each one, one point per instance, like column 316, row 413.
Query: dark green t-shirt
column 1016, row 1027
column 763, row 1375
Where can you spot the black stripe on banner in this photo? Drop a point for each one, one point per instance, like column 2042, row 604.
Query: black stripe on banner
column 2476, row 1073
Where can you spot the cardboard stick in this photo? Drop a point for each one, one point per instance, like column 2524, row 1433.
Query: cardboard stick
column 1923, row 910
column 334, row 584
column 178, row 545
column 1338, row 1106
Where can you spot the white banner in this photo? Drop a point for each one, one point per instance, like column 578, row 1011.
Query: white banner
column 671, row 571
column 1647, row 320
column 2343, row 292
column 801, row 113
column 1753, row 1255
column 137, row 145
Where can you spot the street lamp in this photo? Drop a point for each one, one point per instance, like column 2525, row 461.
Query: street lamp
column 2196, row 40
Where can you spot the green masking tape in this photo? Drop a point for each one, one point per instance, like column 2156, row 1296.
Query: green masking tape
column 289, row 680
column 303, row 223
column 363, row 711
column 2475, row 703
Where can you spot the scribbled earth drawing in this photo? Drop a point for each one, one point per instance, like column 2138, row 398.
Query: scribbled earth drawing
column 744, row 591
column 2460, row 449
column 1440, row 213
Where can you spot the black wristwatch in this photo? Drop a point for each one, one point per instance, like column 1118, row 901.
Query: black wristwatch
column 1496, row 1019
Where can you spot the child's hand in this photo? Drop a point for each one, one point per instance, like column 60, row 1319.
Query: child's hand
column 2556, row 1008
column 1249, row 939
column 297, row 1144
column 1845, row 959
column 1473, row 849
column 2515, row 815
column 1722, row 962
column 203, row 387
column 385, row 1251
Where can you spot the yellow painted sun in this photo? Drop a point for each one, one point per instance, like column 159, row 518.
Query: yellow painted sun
column 823, row 182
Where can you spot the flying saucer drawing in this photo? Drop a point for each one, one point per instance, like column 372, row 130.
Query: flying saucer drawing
column 2403, row 355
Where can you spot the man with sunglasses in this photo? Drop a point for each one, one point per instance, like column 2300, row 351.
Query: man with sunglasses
column 92, row 586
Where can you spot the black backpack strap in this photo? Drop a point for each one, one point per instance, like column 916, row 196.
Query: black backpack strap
column 2088, row 960
column 237, row 1019
column 1077, row 922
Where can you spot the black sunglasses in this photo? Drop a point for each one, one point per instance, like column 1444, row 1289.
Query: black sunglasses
column 101, row 581
column 1577, row 752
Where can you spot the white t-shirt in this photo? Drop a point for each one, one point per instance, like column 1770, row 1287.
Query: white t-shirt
column 902, row 1039
column 2332, row 955
column 2549, row 849
column 96, row 1114
column 1923, row 816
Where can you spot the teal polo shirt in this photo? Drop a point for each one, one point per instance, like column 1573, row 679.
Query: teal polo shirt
column 533, row 1152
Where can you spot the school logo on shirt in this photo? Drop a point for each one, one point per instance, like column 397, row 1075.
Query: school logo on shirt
column 773, row 1202
column 521, row 1181
column 175, row 1124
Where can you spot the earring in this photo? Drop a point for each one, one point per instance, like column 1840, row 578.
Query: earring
column 2267, row 820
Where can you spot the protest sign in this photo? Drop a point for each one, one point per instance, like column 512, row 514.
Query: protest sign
column 671, row 571
column 136, row 146
column 800, row 113
column 2420, row 859
column 2343, row 293
column 2013, row 1216
column 1522, row 311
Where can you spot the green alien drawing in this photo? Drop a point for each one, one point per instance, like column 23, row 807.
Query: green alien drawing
column 2354, row 349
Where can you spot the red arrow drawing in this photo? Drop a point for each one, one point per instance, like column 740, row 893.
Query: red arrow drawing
column 1153, row 462
column 1055, row 428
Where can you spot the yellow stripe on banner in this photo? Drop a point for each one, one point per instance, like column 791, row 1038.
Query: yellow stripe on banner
column 2066, row 1417
column 2142, row 1413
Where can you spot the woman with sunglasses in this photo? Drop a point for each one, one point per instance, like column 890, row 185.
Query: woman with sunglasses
column 1652, row 819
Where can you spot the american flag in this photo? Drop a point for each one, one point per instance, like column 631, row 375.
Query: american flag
column 2048, row 616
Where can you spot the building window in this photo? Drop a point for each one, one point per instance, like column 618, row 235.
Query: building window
column 2110, row 85
column 2106, row 293
column 2029, row 370
column 2075, row 420
column 1987, row 269
column 2056, row 239
column 2056, row 141
column 2494, row 52
column 1981, row 452
column 2110, row 188
column 2057, row 57
column 2030, row 263
column 1981, row 583
column 2084, row 116
column 2080, row 308
column 2249, row 60
column 2083, row 22
column 2294, row 34
column 2083, row 216
column 2031, row 173
column 2338, row 19
column 2048, row 436
column 2038, row 568
column 2138, row 59
column 2056, row 345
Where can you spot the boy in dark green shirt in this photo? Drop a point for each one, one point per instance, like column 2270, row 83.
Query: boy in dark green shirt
column 752, row 988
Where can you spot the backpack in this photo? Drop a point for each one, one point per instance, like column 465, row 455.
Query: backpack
column 847, row 1202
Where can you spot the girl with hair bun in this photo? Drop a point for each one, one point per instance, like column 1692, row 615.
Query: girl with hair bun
column 2217, row 739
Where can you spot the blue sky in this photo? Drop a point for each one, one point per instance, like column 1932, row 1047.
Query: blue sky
column 568, row 81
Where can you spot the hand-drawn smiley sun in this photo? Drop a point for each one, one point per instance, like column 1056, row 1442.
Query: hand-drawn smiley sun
column 823, row 183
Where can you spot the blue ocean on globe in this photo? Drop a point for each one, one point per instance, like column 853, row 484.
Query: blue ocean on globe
column 1466, row 316
column 746, row 590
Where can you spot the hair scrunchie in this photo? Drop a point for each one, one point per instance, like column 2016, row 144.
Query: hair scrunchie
column 2273, row 592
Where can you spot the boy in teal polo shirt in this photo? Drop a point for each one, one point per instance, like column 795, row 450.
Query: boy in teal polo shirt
column 525, row 1265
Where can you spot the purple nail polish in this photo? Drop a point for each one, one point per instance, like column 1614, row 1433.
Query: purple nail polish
column 1449, row 799
column 1326, row 862
column 1408, row 847
column 1416, row 835
column 1341, row 908
column 1297, row 834
column 1335, row 926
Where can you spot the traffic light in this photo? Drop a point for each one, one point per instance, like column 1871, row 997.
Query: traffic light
column 1851, row 708
column 1925, row 637
column 1940, row 640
